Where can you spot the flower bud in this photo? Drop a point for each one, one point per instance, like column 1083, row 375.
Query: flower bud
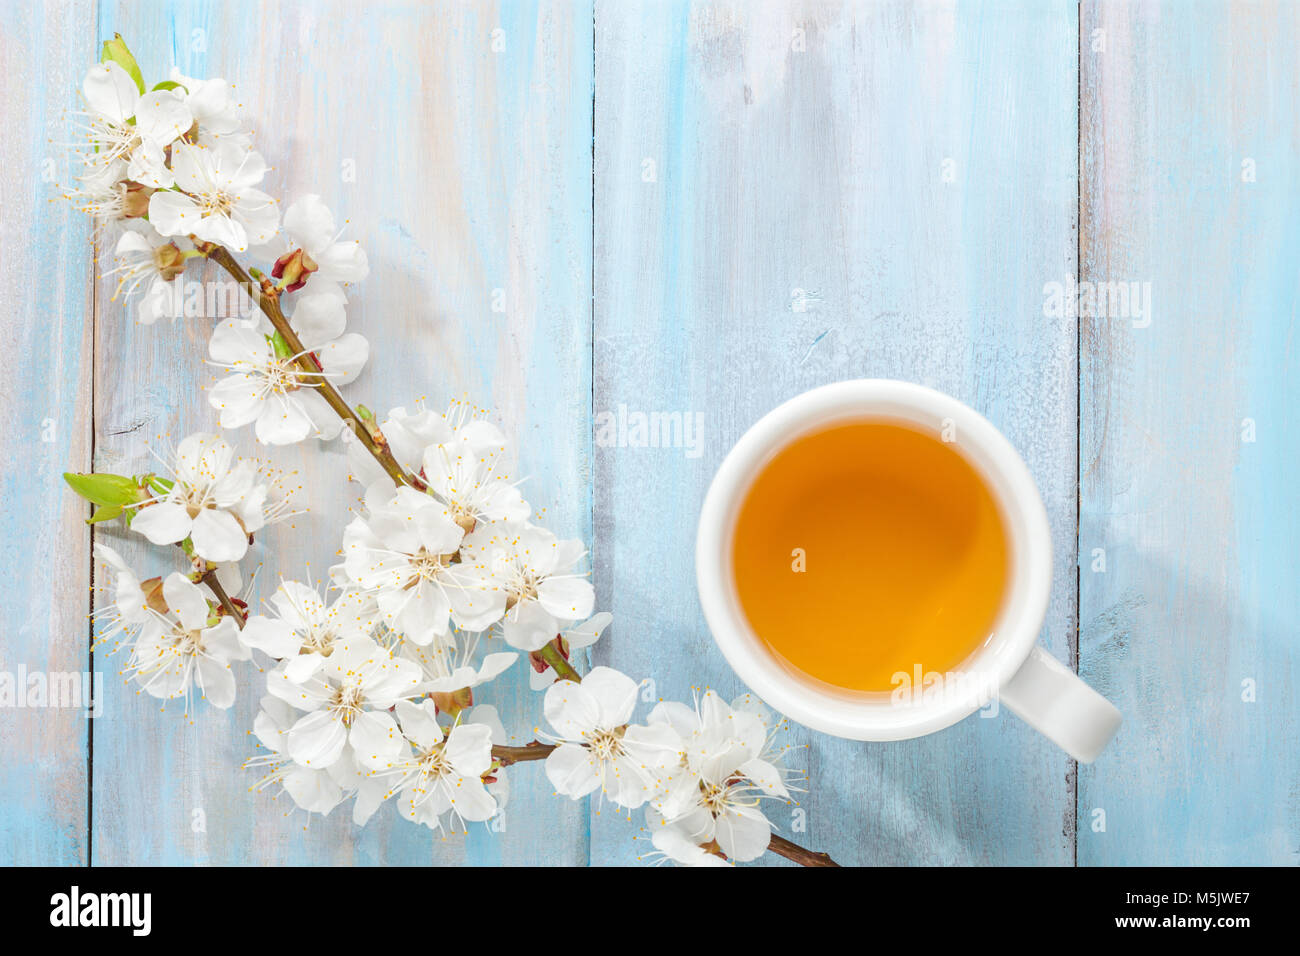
column 105, row 489
column 135, row 200
column 153, row 594
column 116, row 51
column 453, row 702
column 171, row 261
column 292, row 269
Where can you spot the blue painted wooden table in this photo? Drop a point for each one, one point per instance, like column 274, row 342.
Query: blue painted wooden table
column 706, row 209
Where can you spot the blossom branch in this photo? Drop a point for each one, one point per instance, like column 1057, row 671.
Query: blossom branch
column 559, row 663
column 535, row 750
column 450, row 543
column 797, row 854
column 269, row 303
column 505, row 755
column 229, row 606
column 530, row 751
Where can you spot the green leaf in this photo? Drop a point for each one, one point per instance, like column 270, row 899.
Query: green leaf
column 104, row 489
column 105, row 513
column 115, row 51
column 281, row 347
column 157, row 484
column 167, row 85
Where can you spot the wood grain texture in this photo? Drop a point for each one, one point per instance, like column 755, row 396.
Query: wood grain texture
column 771, row 215
column 1198, row 523
column 785, row 194
column 45, row 403
column 472, row 174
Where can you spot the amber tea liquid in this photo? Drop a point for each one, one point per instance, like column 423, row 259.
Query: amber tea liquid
column 867, row 549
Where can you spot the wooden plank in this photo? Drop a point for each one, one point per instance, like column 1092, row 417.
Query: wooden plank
column 792, row 194
column 464, row 170
column 1189, row 136
column 45, row 365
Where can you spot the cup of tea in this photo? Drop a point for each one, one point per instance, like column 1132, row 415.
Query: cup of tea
column 874, row 561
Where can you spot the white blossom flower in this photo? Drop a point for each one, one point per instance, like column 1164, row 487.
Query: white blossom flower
column 215, row 500
column 316, row 791
column 353, row 709
column 535, row 570
column 185, row 648
column 310, row 226
column 127, row 125
column 403, row 553
column 672, row 843
column 144, row 257
column 467, row 472
column 447, row 667
column 304, row 629
column 441, row 774
column 713, row 795
column 598, row 749
column 217, row 198
column 408, row 435
column 213, row 108
column 127, row 611
column 572, row 638
column 105, row 193
column 271, row 390
column 496, row 780
column 346, row 702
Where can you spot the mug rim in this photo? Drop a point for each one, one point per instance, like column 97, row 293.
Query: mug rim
column 861, row 715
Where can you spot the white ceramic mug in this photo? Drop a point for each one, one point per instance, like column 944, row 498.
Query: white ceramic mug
column 1010, row 665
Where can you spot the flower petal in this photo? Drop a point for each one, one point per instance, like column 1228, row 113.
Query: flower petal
column 219, row 228
column 313, row 790
column 203, row 459
column 238, row 399
column 217, row 681
column 185, row 600
column 317, row 739
column 419, row 723
column 471, row 800
column 257, row 215
column 318, row 319
column 343, row 261
column 193, row 170
column 571, row 709
column 469, row 748
column 344, row 358
column 272, row 637
column 166, row 522
column 572, row 771
column 281, row 421
column 528, row 627
column 587, row 633
column 614, row 694
column 375, row 738
column 110, row 91
column 173, row 214
column 161, row 116
column 217, row 536
column 766, row 776
column 569, row 599
column 309, row 224
column 743, row 833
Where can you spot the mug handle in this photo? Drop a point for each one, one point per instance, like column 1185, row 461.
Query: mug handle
column 1054, row 701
